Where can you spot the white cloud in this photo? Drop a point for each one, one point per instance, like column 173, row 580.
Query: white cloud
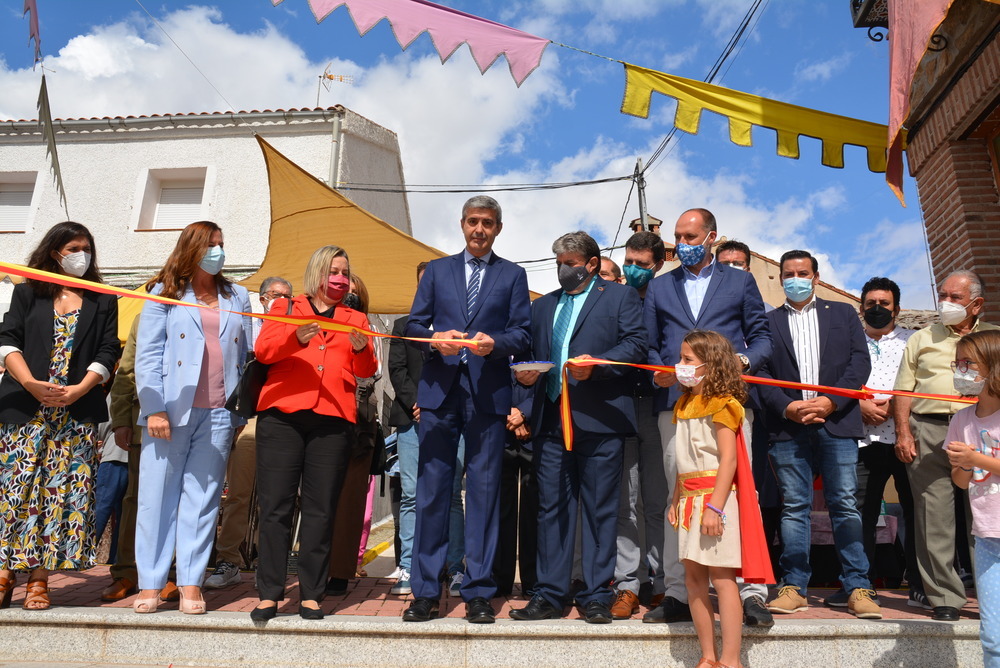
column 452, row 129
column 722, row 16
column 674, row 60
column 822, row 71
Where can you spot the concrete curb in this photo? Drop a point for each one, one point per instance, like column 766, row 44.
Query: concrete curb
column 232, row 639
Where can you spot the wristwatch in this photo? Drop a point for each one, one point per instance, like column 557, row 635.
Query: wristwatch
column 745, row 360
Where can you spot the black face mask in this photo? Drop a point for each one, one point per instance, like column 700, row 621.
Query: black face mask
column 571, row 278
column 878, row 317
column 351, row 300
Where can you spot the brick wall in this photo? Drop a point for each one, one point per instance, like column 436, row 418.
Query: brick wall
column 956, row 181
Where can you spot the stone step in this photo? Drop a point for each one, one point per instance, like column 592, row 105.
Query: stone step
column 119, row 636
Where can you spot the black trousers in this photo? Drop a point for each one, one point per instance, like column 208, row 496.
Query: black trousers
column 877, row 463
column 298, row 451
column 517, row 543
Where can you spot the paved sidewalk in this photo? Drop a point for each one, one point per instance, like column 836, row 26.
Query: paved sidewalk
column 369, row 596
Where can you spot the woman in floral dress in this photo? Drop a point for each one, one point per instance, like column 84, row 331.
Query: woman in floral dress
column 59, row 344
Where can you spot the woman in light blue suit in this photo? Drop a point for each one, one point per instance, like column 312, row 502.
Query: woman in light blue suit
column 188, row 362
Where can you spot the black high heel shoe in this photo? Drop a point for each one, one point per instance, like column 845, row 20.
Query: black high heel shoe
column 310, row 613
column 264, row 614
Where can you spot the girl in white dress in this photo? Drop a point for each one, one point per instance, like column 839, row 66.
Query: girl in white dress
column 704, row 509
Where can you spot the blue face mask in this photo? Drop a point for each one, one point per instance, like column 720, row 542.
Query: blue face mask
column 797, row 289
column 690, row 255
column 213, row 260
column 636, row 276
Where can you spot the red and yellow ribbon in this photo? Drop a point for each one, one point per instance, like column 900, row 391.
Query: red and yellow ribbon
column 325, row 323
column 864, row 393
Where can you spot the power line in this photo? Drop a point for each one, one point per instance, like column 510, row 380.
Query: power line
column 621, row 222
column 193, row 64
column 608, row 249
column 737, row 38
column 453, row 188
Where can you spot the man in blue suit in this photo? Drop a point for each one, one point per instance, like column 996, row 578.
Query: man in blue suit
column 464, row 391
column 588, row 317
column 817, row 342
column 700, row 294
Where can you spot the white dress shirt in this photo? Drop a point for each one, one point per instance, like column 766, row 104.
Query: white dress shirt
column 804, row 327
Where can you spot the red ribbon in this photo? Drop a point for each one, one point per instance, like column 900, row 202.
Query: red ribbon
column 325, row 323
column 863, row 393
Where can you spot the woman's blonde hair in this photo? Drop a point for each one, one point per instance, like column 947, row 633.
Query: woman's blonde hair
column 984, row 345
column 318, row 269
column 722, row 369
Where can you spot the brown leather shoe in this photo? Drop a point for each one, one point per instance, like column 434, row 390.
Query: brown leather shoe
column 626, row 604
column 655, row 601
column 119, row 589
column 170, row 592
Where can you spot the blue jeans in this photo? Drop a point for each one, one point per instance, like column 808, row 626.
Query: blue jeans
column 109, row 490
column 408, row 449
column 988, row 591
column 835, row 459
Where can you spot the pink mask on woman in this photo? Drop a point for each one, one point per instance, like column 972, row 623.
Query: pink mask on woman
column 337, row 286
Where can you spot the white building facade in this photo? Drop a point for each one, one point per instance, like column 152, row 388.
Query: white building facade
column 135, row 182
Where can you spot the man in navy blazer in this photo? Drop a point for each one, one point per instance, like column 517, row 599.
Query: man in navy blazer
column 588, row 317
column 464, row 391
column 700, row 294
column 817, row 342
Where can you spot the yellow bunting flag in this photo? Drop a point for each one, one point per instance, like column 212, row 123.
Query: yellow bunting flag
column 745, row 111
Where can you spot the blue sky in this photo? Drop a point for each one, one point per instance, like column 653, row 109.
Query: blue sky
column 563, row 124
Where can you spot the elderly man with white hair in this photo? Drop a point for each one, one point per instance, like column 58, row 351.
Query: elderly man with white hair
column 921, row 426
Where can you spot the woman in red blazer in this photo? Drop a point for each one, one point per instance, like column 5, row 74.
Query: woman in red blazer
column 305, row 427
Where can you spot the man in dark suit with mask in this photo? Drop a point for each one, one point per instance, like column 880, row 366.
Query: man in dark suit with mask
column 587, row 317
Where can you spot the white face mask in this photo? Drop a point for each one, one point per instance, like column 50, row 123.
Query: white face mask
column 968, row 384
column 75, row 264
column 951, row 313
column 686, row 374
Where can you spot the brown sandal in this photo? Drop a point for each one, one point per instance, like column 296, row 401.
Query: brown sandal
column 36, row 591
column 706, row 663
column 6, row 589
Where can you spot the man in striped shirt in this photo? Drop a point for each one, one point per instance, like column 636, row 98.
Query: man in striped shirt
column 816, row 342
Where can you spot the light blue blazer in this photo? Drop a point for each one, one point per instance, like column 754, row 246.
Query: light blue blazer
column 170, row 346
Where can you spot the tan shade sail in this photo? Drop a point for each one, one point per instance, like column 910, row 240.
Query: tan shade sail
column 307, row 214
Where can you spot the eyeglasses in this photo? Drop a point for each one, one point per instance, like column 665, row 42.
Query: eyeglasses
column 738, row 264
column 963, row 366
column 873, row 346
column 277, row 295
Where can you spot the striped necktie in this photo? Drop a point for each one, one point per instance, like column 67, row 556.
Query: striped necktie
column 553, row 381
column 471, row 294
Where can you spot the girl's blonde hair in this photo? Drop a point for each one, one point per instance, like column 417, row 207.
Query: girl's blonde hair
column 984, row 345
column 722, row 368
column 318, row 269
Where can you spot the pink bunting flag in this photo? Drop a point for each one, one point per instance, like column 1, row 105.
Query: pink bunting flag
column 33, row 33
column 911, row 26
column 448, row 29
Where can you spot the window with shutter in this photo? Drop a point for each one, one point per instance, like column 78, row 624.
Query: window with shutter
column 172, row 199
column 15, row 205
column 178, row 206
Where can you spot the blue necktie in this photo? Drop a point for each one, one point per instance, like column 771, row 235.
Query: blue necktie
column 471, row 294
column 554, row 378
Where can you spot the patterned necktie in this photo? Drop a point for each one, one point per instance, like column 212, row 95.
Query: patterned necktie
column 471, row 294
column 553, row 386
